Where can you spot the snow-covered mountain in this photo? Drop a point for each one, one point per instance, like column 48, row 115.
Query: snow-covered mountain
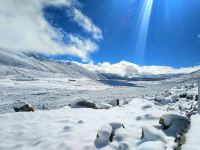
column 30, row 65
column 186, row 78
column 19, row 64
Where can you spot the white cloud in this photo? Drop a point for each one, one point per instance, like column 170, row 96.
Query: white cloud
column 23, row 27
column 86, row 23
column 128, row 69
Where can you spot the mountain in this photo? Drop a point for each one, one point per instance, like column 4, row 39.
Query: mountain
column 187, row 78
column 17, row 64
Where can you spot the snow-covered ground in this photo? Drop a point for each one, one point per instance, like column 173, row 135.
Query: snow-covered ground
column 53, row 88
column 77, row 128
column 55, row 92
column 193, row 136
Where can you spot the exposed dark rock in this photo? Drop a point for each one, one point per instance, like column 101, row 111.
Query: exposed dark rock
column 183, row 95
column 86, row 104
column 190, row 96
column 196, row 97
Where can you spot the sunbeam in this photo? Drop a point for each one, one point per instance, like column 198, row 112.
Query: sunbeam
column 142, row 30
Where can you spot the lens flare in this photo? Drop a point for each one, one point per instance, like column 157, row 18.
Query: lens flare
column 142, row 31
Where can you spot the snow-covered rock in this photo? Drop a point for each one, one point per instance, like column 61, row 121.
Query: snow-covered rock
column 106, row 134
column 174, row 123
column 20, row 105
column 162, row 101
column 103, row 136
column 189, row 86
column 167, row 93
column 183, row 95
column 116, row 125
column 152, row 135
column 189, row 96
column 115, row 102
column 147, row 106
column 84, row 104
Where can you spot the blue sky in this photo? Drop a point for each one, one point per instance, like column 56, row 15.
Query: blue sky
column 143, row 32
column 172, row 37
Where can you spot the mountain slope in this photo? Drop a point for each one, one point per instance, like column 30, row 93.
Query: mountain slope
column 12, row 63
column 187, row 78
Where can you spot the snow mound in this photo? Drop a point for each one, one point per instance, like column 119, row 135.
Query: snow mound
column 103, row 105
column 152, row 145
column 152, row 135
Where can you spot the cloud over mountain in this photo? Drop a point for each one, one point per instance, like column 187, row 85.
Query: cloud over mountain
column 128, row 69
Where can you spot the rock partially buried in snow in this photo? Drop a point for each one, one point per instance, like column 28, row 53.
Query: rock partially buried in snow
column 183, row 95
column 147, row 106
column 84, row 104
column 161, row 101
column 22, row 106
column 189, row 96
column 116, row 125
column 196, row 97
column 103, row 136
column 167, row 93
column 124, row 146
column 158, row 99
column 87, row 104
column 106, row 133
column 189, row 86
column 174, row 123
column 152, row 134
column 115, row 102
column 155, row 139
column 174, row 99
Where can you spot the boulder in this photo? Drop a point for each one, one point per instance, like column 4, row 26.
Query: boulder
column 196, row 97
column 174, row 99
column 189, row 96
column 161, row 101
column 189, row 86
column 106, row 133
column 158, row 99
column 174, row 123
column 115, row 102
column 183, row 95
column 84, row 104
column 22, row 106
column 103, row 136
column 167, row 93
column 147, row 106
